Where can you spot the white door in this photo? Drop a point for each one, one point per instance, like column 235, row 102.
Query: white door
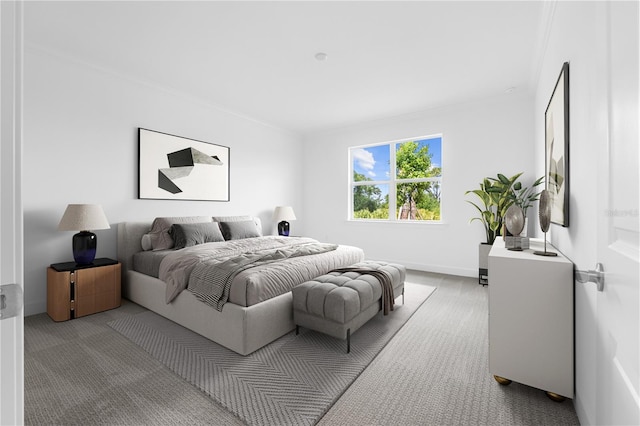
column 618, row 320
column 11, row 271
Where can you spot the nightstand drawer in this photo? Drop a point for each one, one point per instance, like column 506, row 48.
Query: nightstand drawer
column 76, row 293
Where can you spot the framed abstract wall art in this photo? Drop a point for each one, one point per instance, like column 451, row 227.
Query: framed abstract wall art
column 556, row 119
column 176, row 168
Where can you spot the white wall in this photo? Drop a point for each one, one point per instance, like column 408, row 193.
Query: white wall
column 80, row 146
column 573, row 38
column 479, row 139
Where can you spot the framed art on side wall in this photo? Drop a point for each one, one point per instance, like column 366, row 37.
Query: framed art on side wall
column 556, row 119
column 176, row 168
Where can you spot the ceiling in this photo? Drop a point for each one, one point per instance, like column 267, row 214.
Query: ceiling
column 257, row 59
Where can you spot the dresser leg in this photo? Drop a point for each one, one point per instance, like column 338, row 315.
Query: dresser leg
column 555, row 397
column 502, row 380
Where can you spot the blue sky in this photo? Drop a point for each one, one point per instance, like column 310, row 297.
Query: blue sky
column 373, row 161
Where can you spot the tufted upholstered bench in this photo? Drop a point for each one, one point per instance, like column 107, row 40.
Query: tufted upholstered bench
column 339, row 303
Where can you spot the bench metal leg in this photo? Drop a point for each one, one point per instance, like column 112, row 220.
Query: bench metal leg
column 403, row 295
column 348, row 340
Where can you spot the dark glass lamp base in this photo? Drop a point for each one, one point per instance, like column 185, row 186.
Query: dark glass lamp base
column 283, row 228
column 84, row 247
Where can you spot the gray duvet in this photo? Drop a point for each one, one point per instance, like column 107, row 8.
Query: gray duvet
column 210, row 281
column 258, row 282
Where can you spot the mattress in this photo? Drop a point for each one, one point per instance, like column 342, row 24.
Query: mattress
column 148, row 262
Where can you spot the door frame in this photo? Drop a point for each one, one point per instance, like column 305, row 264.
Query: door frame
column 11, row 217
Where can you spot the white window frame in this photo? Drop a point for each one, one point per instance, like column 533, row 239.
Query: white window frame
column 392, row 182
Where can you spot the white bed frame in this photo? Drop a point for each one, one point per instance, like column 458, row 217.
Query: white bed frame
column 241, row 329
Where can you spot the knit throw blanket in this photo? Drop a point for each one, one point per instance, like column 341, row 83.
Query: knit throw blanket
column 388, row 299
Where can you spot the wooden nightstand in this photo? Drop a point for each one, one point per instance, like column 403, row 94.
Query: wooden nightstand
column 74, row 291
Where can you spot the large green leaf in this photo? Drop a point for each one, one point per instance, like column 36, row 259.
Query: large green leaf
column 503, row 179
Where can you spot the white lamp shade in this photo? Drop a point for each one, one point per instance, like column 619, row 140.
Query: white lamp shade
column 283, row 213
column 83, row 217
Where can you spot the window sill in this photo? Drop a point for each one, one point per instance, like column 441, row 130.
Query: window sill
column 436, row 223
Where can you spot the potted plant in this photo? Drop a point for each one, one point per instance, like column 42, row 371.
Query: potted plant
column 495, row 195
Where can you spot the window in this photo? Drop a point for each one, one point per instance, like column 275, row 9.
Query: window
column 397, row 181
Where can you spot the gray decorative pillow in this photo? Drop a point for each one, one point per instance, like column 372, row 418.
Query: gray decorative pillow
column 160, row 238
column 240, row 219
column 190, row 234
column 238, row 230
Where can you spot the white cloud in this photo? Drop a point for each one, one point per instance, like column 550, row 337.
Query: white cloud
column 365, row 160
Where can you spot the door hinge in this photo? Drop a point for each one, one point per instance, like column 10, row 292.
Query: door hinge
column 10, row 300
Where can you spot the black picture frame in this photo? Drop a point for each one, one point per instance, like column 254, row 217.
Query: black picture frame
column 556, row 131
column 172, row 167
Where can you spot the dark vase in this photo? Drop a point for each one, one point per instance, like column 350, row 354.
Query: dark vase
column 84, row 247
column 283, row 228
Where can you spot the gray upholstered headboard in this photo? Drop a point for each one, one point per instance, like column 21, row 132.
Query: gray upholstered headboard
column 130, row 242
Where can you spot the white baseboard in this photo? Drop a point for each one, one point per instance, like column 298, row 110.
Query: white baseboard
column 439, row 269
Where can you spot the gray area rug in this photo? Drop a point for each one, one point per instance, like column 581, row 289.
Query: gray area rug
column 293, row 380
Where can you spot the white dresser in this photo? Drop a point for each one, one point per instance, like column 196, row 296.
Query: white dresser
column 531, row 317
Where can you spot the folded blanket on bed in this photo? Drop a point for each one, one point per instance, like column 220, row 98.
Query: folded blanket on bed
column 210, row 281
column 388, row 299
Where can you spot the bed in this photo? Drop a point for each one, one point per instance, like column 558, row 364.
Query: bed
column 258, row 308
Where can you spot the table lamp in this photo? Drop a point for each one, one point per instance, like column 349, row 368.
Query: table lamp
column 282, row 214
column 83, row 218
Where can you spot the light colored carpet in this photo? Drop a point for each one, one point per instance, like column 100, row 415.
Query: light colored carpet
column 433, row 372
column 82, row 372
column 436, row 371
column 292, row 381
